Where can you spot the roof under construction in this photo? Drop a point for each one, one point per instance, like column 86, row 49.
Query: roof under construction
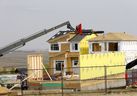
column 77, row 38
column 117, row 36
column 60, row 33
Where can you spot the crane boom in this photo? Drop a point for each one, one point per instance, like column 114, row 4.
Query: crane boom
column 15, row 45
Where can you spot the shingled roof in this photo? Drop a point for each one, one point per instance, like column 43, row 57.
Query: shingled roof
column 117, row 36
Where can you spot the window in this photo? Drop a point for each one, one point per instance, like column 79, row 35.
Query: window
column 54, row 47
column 96, row 47
column 103, row 46
column 58, row 65
column 74, row 47
column 75, row 62
column 112, row 46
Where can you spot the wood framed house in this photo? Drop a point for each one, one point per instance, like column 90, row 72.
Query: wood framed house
column 74, row 50
column 64, row 50
column 87, row 55
column 113, row 50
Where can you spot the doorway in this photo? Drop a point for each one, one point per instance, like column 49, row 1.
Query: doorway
column 75, row 66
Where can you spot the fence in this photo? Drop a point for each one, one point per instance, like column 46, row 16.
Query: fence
column 71, row 83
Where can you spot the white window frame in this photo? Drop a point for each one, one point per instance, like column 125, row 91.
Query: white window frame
column 71, row 47
column 73, row 61
column 55, row 50
column 58, row 71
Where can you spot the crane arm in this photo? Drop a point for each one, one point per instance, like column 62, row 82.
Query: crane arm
column 15, row 45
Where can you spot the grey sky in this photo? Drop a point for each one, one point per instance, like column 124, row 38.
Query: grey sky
column 20, row 18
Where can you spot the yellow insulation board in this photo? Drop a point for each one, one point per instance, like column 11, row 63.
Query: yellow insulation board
column 84, row 46
column 87, row 61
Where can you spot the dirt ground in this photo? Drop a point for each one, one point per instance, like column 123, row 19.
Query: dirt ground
column 102, row 94
column 109, row 94
column 90, row 94
column 44, row 93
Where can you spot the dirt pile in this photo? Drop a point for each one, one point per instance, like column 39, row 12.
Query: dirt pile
column 3, row 90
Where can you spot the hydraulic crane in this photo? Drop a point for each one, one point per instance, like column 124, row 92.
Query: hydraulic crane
column 20, row 43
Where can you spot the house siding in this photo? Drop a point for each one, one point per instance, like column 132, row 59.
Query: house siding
column 130, row 49
column 65, row 47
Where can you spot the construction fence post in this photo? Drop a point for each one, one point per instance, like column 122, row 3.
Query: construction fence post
column 105, row 78
column 62, row 72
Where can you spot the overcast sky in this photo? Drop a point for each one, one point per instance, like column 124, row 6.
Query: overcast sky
column 20, row 18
